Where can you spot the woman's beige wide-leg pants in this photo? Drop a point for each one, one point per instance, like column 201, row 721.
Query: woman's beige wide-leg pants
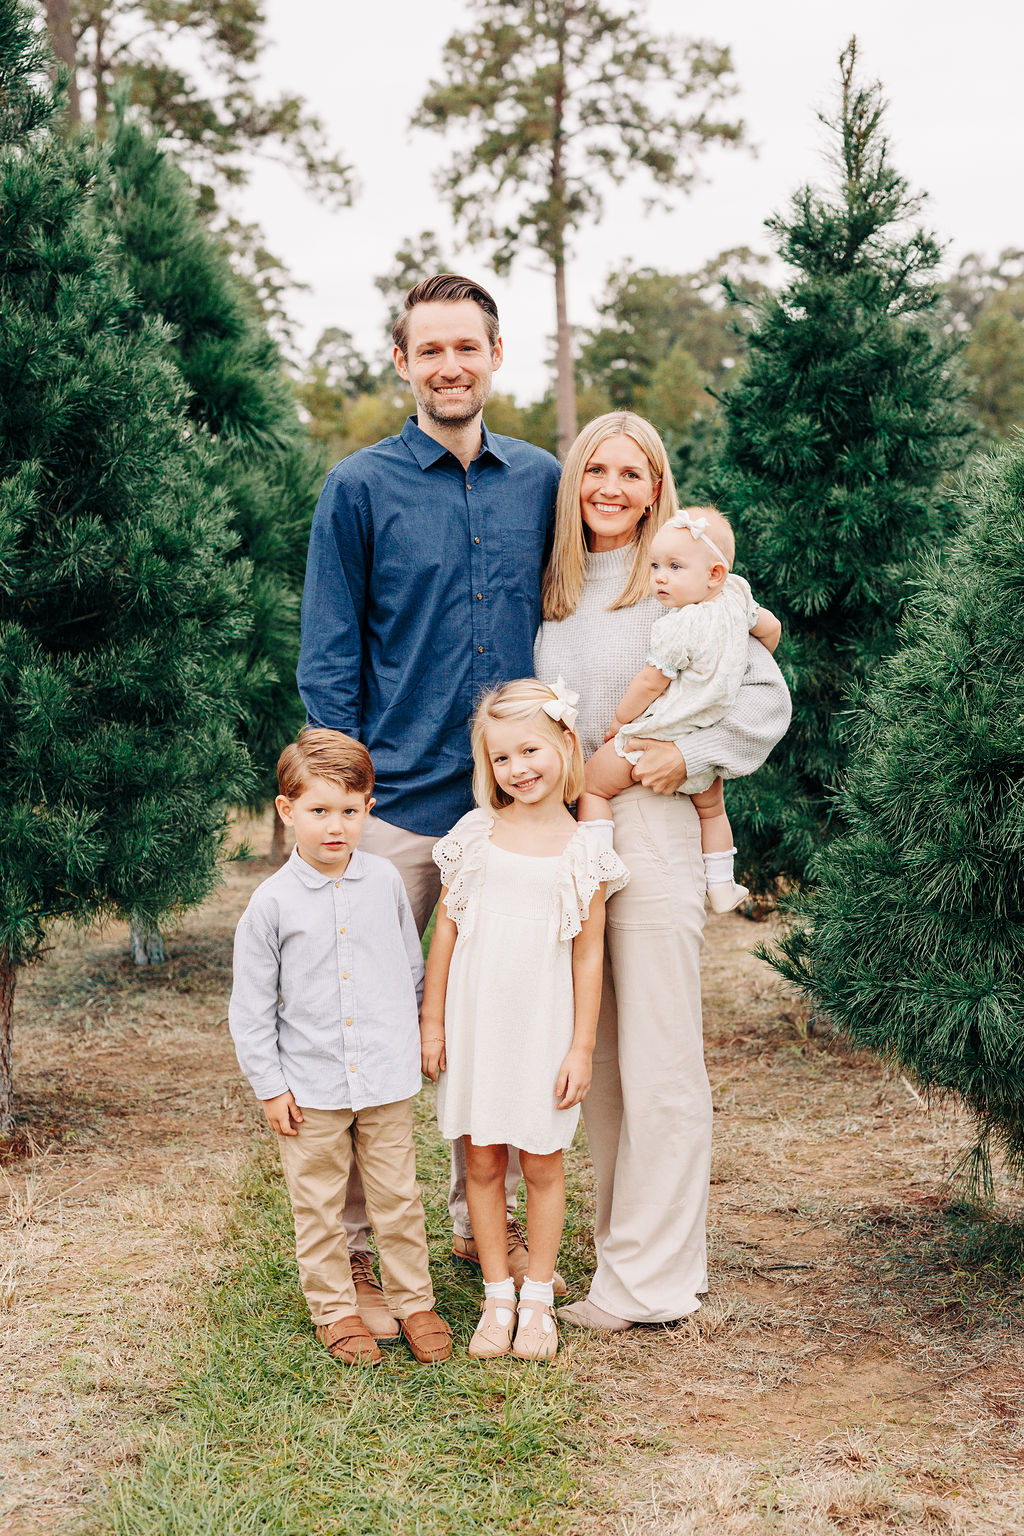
column 648, row 1112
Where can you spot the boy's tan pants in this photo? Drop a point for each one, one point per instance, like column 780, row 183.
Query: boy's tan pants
column 316, row 1170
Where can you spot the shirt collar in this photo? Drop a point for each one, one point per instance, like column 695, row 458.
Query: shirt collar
column 427, row 451
column 314, row 879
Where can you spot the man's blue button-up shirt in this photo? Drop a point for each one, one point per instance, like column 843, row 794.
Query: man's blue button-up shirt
column 422, row 591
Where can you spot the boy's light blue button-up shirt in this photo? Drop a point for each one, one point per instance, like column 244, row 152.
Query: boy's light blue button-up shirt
column 328, row 973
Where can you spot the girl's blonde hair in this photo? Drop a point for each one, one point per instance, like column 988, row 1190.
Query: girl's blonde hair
column 567, row 565
column 521, row 700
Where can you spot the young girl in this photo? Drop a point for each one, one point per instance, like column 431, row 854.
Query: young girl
column 696, row 663
column 512, row 991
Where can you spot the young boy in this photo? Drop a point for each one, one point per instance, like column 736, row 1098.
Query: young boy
column 324, row 1015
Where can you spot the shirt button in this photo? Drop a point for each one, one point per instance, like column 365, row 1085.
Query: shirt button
column 468, row 486
column 341, row 930
column 476, row 541
column 348, row 1023
column 351, row 1069
column 480, row 650
column 336, row 884
column 479, row 597
column 344, row 975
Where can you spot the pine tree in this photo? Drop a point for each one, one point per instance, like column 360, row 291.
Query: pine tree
column 560, row 99
column 240, row 397
column 839, row 440
column 913, row 939
column 119, row 614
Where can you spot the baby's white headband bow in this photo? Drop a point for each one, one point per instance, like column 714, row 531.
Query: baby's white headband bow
column 563, row 706
column 698, row 527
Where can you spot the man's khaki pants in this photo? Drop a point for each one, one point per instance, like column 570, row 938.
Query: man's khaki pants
column 409, row 852
column 316, row 1170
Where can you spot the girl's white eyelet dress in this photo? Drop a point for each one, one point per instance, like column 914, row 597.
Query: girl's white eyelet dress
column 509, row 1013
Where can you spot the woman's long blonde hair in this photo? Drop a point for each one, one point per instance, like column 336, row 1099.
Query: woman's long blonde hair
column 522, row 700
column 567, row 565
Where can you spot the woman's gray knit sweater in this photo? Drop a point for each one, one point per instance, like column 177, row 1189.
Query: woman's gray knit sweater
column 599, row 652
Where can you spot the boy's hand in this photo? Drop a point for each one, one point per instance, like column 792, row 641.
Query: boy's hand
column 574, row 1078
column 283, row 1114
column 432, row 1057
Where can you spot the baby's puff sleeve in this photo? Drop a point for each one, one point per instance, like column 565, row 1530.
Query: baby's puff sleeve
column 587, row 863
column 673, row 641
column 461, row 856
column 744, row 598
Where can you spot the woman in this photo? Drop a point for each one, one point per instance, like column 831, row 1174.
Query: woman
column 648, row 1113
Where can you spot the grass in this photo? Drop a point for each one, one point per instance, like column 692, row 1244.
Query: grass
column 269, row 1435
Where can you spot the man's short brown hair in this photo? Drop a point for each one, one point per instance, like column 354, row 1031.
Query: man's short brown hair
column 323, row 754
column 445, row 288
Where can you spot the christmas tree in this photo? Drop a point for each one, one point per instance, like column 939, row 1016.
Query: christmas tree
column 241, row 400
column 120, row 615
column 913, row 939
column 839, row 437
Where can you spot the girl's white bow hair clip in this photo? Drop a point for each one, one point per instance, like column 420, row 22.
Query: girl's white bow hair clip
column 563, row 706
column 698, row 528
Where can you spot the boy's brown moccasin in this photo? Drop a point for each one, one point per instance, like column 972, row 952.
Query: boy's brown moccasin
column 428, row 1336
column 350, row 1340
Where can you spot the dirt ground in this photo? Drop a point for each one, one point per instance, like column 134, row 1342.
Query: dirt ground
column 855, row 1369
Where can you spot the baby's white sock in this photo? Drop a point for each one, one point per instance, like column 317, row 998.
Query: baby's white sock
column 718, row 867
column 536, row 1290
column 502, row 1290
column 605, row 830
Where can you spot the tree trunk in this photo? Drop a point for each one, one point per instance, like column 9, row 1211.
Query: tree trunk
column 8, row 977
column 147, row 945
column 278, row 853
column 62, row 41
column 565, row 382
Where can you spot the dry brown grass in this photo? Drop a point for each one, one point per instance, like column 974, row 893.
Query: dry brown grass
column 852, row 1371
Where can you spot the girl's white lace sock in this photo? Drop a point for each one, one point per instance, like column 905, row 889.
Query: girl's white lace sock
column 502, row 1290
column 536, row 1290
column 718, row 867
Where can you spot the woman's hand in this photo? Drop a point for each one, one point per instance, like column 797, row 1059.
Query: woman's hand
column 574, row 1077
column 662, row 767
column 432, row 1056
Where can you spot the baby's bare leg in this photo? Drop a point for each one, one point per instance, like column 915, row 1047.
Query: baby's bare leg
column 715, row 831
column 607, row 775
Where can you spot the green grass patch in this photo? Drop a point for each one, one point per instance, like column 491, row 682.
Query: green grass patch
column 268, row 1435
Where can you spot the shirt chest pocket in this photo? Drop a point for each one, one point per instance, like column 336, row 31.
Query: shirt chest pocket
column 521, row 553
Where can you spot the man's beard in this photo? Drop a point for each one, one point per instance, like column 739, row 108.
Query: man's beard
column 454, row 413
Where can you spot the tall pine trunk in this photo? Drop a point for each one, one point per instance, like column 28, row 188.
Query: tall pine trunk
column 565, row 383
column 565, row 386
column 8, row 977
column 278, row 852
column 62, row 41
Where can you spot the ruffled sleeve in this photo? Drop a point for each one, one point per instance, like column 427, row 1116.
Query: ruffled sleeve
column 673, row 637
column 461, row 856
column 586, row 863
column 744, row 598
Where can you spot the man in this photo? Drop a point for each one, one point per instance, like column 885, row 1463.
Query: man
column 423, row 590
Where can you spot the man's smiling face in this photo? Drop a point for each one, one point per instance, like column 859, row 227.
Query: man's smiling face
column 449, row 362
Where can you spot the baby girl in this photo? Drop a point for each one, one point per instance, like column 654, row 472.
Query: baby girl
column 694, row 669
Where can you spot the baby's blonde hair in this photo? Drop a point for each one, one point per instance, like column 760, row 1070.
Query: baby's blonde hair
column 719, row 529
column 521, row 700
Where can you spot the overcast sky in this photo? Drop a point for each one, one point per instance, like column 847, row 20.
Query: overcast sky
column 951, row 73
